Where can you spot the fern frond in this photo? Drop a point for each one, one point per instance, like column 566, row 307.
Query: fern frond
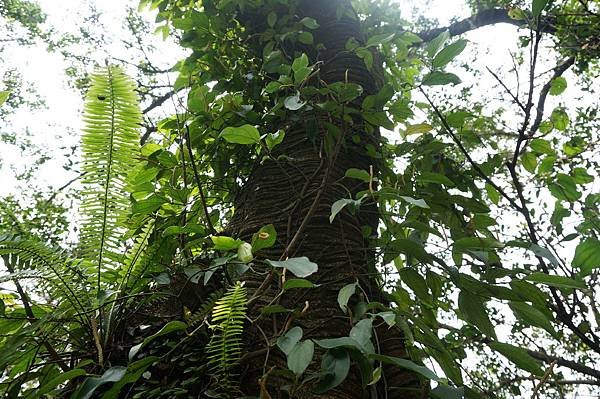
column 110, row 144
column 205, row 308
column 23, row 275
column 225, row 346
column 137, row 259
column 32, row 259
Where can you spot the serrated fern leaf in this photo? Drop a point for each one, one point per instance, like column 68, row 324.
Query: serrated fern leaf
column 22, row 275
column 225, row 346
column 58, row 276
column 205, row 308
column 137, row 259
column 110, row 144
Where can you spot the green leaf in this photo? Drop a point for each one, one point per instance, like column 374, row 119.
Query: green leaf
column 457, row 119
column 272, row 19
column 244, row 252
column 558, row 86
column 264, row 238
column 293, row 103
column 529, row 292
column 492, row 193
column 559, row 119
column 410, row 248
column 305, row 37
column 245, row 134
column 473, row 310
column 274, row 139
column 437, row 178
column 519, row 357
column 342, row 342
column 563, row 187
column 366, row 55
column 544, row 253
column 345, row 92
column 359, row 174
column 529, row 161
column 447, row 392
column 344, row 295
column 224, row 243
column 406, row 364
column 362, row 333
column 419, row 128
column 336, row 364
column 287, row 342
column 298, row 283
column 581, row 176
column 338, row 205
column 531, row 316
column 272, row 87
column 416, row 282
column 148, row 205
column 110, row 151
column 134, row 371
column 274, row 309
column 434, row 45
column 437, row 78
column 587, row 255
column 379, row 119
column 475, row 243
column 300, row 356
column 542, row 146
column 546, row 165
column 377, row 373
column 300, row 267
column 168, row 328
column 310, row 23
column 555, row 281
column 89, row 386
column 300, row 63
column 416, row 202
column 56, row 381
column 537, row 6
column 379, row 39
column 448, row 53
column 3, row 96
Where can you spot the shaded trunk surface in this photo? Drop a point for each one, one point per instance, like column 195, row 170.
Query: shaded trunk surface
column 296, row 197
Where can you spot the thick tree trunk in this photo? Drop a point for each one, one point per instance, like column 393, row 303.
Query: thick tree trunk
column 296, row 197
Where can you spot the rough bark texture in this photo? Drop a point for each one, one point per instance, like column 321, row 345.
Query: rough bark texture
column 296, row 196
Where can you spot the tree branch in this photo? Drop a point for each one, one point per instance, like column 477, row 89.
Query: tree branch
column 558, row 71
column 158, row 101
column 544, row 357
column 484, row 18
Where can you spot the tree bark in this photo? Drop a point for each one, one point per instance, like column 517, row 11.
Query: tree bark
column 296, row 197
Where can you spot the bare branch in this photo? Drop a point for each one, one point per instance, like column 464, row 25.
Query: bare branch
column 158, row 101
column 558, row 71
column 484, row 18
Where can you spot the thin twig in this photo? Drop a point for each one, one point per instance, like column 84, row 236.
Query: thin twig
column 464, row 151
column 547, row 374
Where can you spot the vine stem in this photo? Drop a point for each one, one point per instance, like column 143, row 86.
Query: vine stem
column 197, row 178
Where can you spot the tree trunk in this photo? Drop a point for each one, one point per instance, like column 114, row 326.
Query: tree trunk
column 296, row 196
